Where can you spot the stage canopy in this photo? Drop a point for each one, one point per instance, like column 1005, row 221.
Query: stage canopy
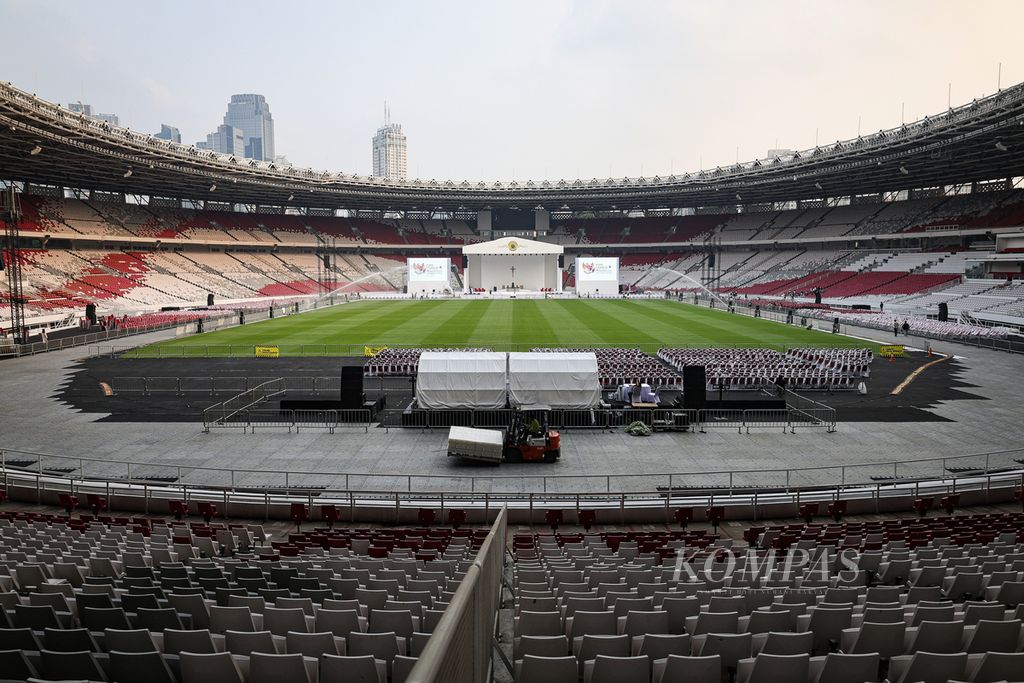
column 556, row 380
column 461, row 379
column 513, row 263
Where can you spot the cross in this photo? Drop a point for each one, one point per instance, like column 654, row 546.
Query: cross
column 513, row 269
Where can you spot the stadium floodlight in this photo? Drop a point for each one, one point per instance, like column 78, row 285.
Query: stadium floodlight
column 738, row 197
column 817, row 186
column 36, row 150
column 291, row 197
column 213, row 187
column 903, row 170
column 128, row 173
column 1000, row 146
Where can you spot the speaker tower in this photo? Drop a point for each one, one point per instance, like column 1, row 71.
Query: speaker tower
column 694, row 387
column 352, row 386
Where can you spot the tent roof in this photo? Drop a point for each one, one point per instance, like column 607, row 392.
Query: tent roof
column 512, row 246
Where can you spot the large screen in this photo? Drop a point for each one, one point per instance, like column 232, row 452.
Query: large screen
column 429, row 269
column 593, row 269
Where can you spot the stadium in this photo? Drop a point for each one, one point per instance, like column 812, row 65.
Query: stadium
column 751, row 423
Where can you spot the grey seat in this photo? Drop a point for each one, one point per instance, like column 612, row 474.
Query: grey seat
column 352, row 669
column 218, row 667
column 230, row 619
column 70, row 666
column 286, row 668
column 676, row 669
column 159, row 619
column 281, row 621
column 16, row 666
column 532, row 669
column 140, row 667
column 199, row 641
column 844, row 668
column 36, row 617
column 995, row 666
column 314, row 644
column 69, row 640
column 341, row 623
column 132, row 640
column 927, row 667
column 247, row 642
column 605, row 669
column 402, row 667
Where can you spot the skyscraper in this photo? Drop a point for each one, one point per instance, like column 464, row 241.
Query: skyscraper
column 168, row 133
column 225, row 140
column 250, row 114
column 389, row 158
column 87, row 110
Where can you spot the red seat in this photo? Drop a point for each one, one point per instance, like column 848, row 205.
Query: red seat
column 837, row 508
column 684, row 516
column 949, row 503
column 923, row 505
column 208, row 511
column 588, row 518
column 96, row 502
column 425, row 516
column 177, row 508
column 715, row 515
column 456, row 517
column 807, row 512
column 68, row 502
column 751, row 534
column 553, row 518
column 330, row 514
column 299, row 513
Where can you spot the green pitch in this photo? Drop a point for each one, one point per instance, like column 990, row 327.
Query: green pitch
column 502, row 325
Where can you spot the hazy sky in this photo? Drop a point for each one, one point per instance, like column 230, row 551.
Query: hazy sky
column 521, row 89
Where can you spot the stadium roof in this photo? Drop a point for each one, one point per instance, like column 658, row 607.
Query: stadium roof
column 44, row 144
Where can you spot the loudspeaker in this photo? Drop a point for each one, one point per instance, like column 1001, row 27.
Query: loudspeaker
column 352, row 386
column 561, row 260
column 711, row 260
column 817, row 295
column 209, row 299
column 695, row 382
column 943, row 312
column 327, row 261
column 465, row 262
column 90, row 313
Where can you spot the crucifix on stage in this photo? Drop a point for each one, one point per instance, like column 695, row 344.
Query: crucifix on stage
column 513, row 269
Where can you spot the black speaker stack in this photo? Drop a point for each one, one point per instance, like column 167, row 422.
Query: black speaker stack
column 943, row 311
column 352, row 386
column 695, row 382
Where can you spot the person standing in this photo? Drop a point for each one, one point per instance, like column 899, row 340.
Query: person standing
column 895, row 327
column 906, row 327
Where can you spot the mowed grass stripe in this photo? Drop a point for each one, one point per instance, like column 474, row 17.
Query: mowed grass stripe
column 529, row 319
column 611, row 329
column 499, row 324
column 463, row 321
column 687, row 326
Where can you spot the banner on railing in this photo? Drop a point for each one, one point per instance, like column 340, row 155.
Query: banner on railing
column 890, row 350
column 268, row 352
column 371, row 351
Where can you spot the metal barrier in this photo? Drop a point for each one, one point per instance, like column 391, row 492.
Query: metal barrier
column 331, row 420
column 459, row 649
column 221, row 385
column 223, row 414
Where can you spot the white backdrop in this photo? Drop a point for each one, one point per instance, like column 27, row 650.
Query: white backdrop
column 597, row 275
column 532, row 271
column 427, row 275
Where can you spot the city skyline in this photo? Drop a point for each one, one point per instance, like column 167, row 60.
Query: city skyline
column 529, row 90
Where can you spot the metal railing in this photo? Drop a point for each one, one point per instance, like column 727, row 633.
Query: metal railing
column 159, row 478
column 459, row 650
column 221, row 414
column 665, row 419
column 220, row 385
column 249, row 420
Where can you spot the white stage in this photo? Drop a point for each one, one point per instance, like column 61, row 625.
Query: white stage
column 512, row 265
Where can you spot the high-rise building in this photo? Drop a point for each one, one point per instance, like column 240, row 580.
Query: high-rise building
column 168, row 133
column 389, row 155
column 87, row 110
column 250, row 114
column 225, row 140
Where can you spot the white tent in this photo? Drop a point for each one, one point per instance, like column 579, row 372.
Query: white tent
column 461, row 379
column 556, row 380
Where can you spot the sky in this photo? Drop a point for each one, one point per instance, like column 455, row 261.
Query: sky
column 521, row 89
